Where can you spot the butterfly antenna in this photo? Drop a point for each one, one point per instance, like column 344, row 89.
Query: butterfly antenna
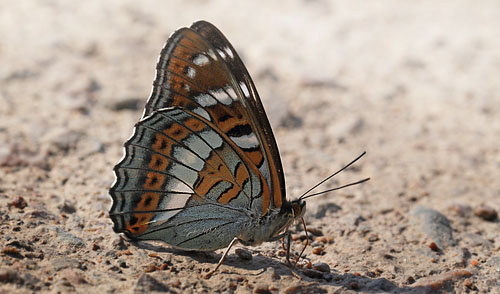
column 333, row 189
column 303, row 196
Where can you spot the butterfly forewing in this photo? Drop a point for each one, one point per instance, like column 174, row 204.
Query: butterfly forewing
column 255, row 110
column 200, row 70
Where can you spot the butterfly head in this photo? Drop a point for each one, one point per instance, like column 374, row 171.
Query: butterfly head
column 298, row 209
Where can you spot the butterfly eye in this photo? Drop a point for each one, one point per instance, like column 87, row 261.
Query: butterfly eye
column 296, row 209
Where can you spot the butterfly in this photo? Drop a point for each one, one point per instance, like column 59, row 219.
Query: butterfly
column 202, row 169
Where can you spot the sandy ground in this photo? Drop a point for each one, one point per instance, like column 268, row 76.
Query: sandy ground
column 414, row 83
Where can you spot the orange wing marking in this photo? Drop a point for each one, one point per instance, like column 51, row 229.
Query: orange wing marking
column 139, row 222
column 154, row 181
column 241, row 176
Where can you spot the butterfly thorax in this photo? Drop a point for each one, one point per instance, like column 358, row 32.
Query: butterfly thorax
column 273, row 225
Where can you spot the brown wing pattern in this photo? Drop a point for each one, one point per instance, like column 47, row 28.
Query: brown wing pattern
column 175, row 162
column 200, row 71
column 253, row 103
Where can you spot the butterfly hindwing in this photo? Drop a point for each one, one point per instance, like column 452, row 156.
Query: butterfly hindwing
column 175, row 161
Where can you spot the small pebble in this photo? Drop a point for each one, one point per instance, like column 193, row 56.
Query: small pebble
column 354, row 286
column 243, row 254
column 468, row 283
column 485, row 212
column 433, row 246
column 318, row 250
column 163, row 267
column 19, row 202
column 322, row 267
column 10, row 276
column 150, row 268
column 315, row 232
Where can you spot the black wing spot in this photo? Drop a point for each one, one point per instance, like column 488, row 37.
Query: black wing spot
column 177, row 133
column 240, row 130
column 158, row 162
column 224, row 118
column 147, row 201
column 133, row 220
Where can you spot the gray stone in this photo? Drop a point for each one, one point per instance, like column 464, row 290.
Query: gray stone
column 148, row 284
column 435, row 225
column 380, row 284
column 243, row 254
column 69, row 239
column 64, row 262
column 322, row 267
column 323, row 209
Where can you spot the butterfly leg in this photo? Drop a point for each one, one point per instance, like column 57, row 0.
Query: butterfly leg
column 289, row 264
column 307, row 241
column 221, row 260
column 289, row 242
